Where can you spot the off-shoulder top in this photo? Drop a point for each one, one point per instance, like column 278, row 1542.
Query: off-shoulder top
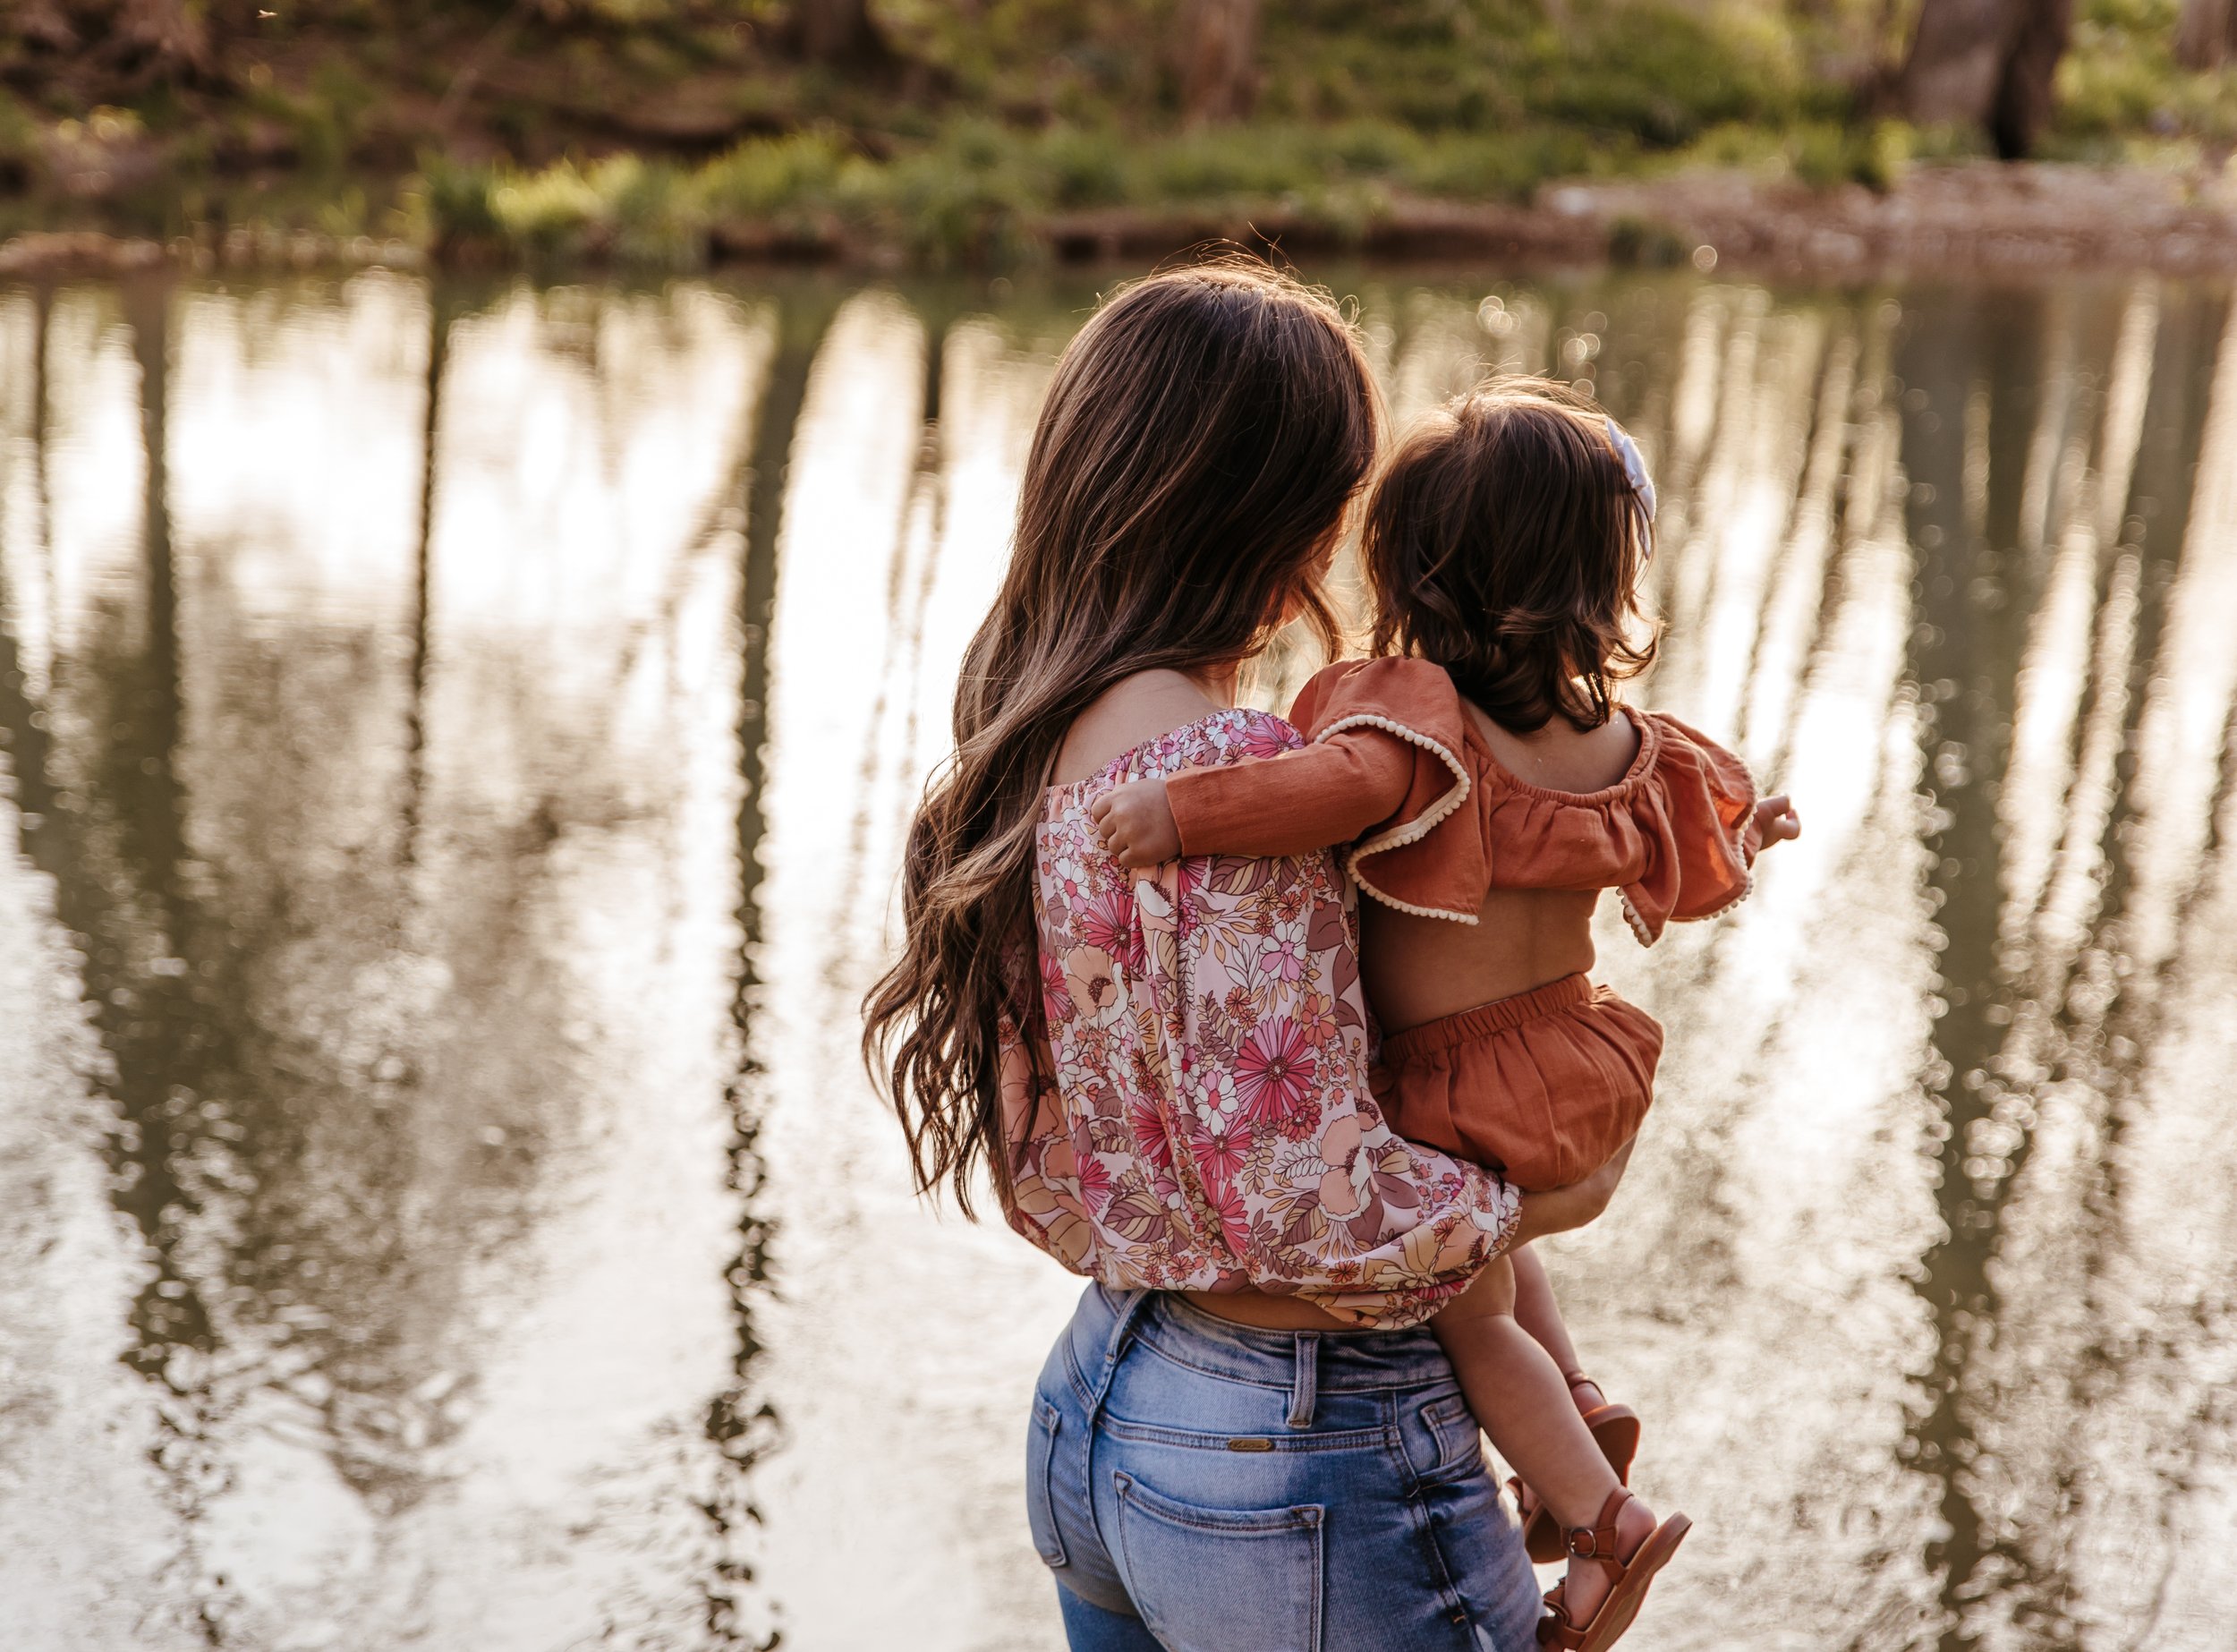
column 1202, row 1120
column 1398, row 772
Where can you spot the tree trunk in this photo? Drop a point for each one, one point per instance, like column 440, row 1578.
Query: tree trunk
column 165, row 31
column 1987, row 65
column 1957, row 57
column 837, row 31
column 2205, row 36
column 1217, row 42
column 2025, row 94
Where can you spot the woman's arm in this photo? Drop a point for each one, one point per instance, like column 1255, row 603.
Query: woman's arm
column 1560, row 1209
column 1261, row 1069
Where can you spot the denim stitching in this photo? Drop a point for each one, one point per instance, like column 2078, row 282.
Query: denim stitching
column 1347, row 1440
column 1303, row 1396
column 1425, row 1527
column 1048, row 1421
column 1448, row 1593
column 1072, row 1376
column 1147, row 1337
column 1447, row 1472
column 1312, row 1521
column 1297, row 1517
column 1213, row 1372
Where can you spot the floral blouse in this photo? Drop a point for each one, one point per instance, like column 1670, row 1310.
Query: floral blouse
column 1202, row 1120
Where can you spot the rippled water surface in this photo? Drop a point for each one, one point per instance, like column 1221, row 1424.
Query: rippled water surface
column 455, row 742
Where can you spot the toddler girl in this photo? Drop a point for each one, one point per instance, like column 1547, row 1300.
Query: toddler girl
column 1490, row 786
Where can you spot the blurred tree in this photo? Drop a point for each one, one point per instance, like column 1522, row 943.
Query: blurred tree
column 147, row 41
column 2205, row 36
column 837, row 31
column 1989, row 65
column 1216, row 44
column 169, row 29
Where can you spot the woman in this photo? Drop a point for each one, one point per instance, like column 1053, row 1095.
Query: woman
column 1244, row 1440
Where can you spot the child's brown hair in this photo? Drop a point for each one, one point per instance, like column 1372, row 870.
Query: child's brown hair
column 1505, row 543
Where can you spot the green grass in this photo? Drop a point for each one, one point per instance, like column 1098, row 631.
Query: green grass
column 975, row 192
column 1655, row 72
column 2120, row 84
column 1010, row 113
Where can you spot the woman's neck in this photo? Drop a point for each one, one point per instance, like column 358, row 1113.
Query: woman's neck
column 1219, row 683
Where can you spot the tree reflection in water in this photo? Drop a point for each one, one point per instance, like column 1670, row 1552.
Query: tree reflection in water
column 458, row 741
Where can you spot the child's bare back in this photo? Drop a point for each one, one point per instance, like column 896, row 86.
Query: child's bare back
column 1418, row 969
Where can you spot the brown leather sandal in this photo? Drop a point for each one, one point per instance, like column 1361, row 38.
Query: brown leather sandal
column 1628, row 1594
column 1615, row 1429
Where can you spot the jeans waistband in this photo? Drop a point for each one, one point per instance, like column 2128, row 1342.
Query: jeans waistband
column 1301, row 1361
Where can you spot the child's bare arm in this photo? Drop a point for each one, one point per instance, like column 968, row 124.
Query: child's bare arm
column 1135, row 824
column 1300, row 801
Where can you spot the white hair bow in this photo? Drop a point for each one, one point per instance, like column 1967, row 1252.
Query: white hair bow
column 1635, row 472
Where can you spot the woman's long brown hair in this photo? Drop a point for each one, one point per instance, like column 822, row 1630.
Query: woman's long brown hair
column 1200, row 441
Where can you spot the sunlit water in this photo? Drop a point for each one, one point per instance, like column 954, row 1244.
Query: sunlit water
column 456, row 744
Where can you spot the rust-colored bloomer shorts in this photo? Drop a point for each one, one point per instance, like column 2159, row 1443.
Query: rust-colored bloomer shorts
column 1544, row 1086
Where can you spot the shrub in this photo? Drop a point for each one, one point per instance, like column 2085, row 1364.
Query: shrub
column 19, row 144
column 546, row 214
column 1226, row 163
column 2120, row 80
column 786, row 182
column 1083, row 168
column 1659, row 73
column 454, row 207
column 1505, row 167
column 649, row 212
column 965, row 199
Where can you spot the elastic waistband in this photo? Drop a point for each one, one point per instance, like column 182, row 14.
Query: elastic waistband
column 1502, row 1015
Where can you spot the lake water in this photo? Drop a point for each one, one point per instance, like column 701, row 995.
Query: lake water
column 456, row 740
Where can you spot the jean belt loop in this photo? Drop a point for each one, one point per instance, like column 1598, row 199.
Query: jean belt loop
column 1121, row 1334
column 1304, row 1390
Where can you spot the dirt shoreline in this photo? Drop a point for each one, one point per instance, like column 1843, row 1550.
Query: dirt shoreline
column 1978, row 218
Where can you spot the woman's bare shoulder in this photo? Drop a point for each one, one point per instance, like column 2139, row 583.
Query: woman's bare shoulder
column 1130, row 713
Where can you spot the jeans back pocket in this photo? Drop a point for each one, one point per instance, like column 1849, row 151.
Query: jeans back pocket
column 1222, row 1580
column 1041, row 1457
column 1458, row 1434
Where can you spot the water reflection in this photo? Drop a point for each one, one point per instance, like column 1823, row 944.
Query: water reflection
column 457, row 743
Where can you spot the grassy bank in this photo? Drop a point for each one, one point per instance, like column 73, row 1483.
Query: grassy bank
column 673, row 133
column 975, row 192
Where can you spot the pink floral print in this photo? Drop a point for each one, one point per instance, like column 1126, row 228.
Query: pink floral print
column 1199, row 1117
column 1273, row 1073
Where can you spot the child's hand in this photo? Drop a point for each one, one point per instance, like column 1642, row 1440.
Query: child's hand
column 1135, row 824
column 1776, row 821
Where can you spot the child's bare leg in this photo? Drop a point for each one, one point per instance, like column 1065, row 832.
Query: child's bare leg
column 1518, row 1394
column 1537, row 1312
column 1521, row 1400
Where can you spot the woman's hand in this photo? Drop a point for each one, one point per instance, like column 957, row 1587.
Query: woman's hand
column 1560, row 1209
column 1776, row 821
column 1135, row 824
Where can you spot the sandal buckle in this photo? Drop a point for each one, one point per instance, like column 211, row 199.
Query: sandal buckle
column 1592, row 1543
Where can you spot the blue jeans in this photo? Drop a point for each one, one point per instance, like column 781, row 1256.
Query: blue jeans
column 1202, row 1486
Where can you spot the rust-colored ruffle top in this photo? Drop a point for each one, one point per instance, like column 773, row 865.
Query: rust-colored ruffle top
column 1397, row 770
